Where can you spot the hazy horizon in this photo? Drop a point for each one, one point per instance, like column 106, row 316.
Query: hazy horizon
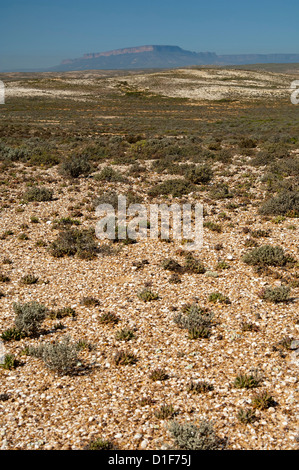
column 38, row 35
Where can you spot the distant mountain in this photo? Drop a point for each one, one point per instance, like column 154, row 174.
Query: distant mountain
column 161, row 57
column 138, row 58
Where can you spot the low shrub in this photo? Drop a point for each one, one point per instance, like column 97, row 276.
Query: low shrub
column 246, row 416
column 147, row 295
column 193, row 265
column 171, row 265
column 110, row 175
column 100, row 444
column 285, row 203
column 196, row 320
column 29, row 279
column 263, row 400
column 29, row 317
column 158, row 375
column 73, row 242
column 220, row 191
column 109, row 318
column 199, row 174
column 165, row 412
column 124, row 335
column 213, row 226
column 218, row 297
column 199, row 387
column 246, row 381
column 60, row 357
column 276, row 294
column 12, row 334
column 75, row 166
column 123, row 358
column 267, row 255
column 38, row 194
column 10, row 362
column 173, row 187
column 188, row 436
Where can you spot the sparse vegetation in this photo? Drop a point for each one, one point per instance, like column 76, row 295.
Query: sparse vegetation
column 246, row 381
column 147, row 295
column 193, row 321
column 276, row 294
column 29, row 317
column 75, row 242
column 60, row 357
column 75, row 166
column 38, row 194
column 124, row 358
column 188, row 436
column 158, row 375
column 267, row 255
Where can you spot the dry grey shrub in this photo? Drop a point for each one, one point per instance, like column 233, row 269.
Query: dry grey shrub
column 61, row 357
column 191, row 437
column 29, row 316
column 195, row 317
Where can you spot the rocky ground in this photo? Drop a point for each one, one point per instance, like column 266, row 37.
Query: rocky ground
column 251, row 341
column 48, row 411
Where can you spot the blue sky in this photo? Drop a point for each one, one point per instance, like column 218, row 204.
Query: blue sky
column 40, row 33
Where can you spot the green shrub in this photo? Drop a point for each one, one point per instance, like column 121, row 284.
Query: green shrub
column 174, row 187
column 246, row 416
column 158, row 375
column 220, row 191
column 38, row 194
column 276, row 294
column 193, row 265
column 267, row 255
column 247, row 143
column 218, row 297
column 147, row 295
column 196, row 320
column 64, row 222
column 263, row 400
column 199, row 332
column 260, row 233
column 10, row 362
column 213, row 226
column 73, row 242
column 165, row 412
column 100, row 444
column 75, row 166
column 29, row 279
column 199, row 174
column 109, row 318
column 199, row 387
column 247, row 326
column 12, row 334
column 29, row 316
column 171, row 265
column 90, row 302
column 224, row 156
column 110, row 175
column 124, row 335
column 286, row 203
column 62, row 313
column 246, row 381
column 188, row 436
column 123, row 358
column 221, row 265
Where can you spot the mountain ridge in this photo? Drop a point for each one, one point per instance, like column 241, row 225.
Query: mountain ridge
column 161, row 57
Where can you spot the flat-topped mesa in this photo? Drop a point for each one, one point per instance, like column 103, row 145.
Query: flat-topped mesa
column 128, row 50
